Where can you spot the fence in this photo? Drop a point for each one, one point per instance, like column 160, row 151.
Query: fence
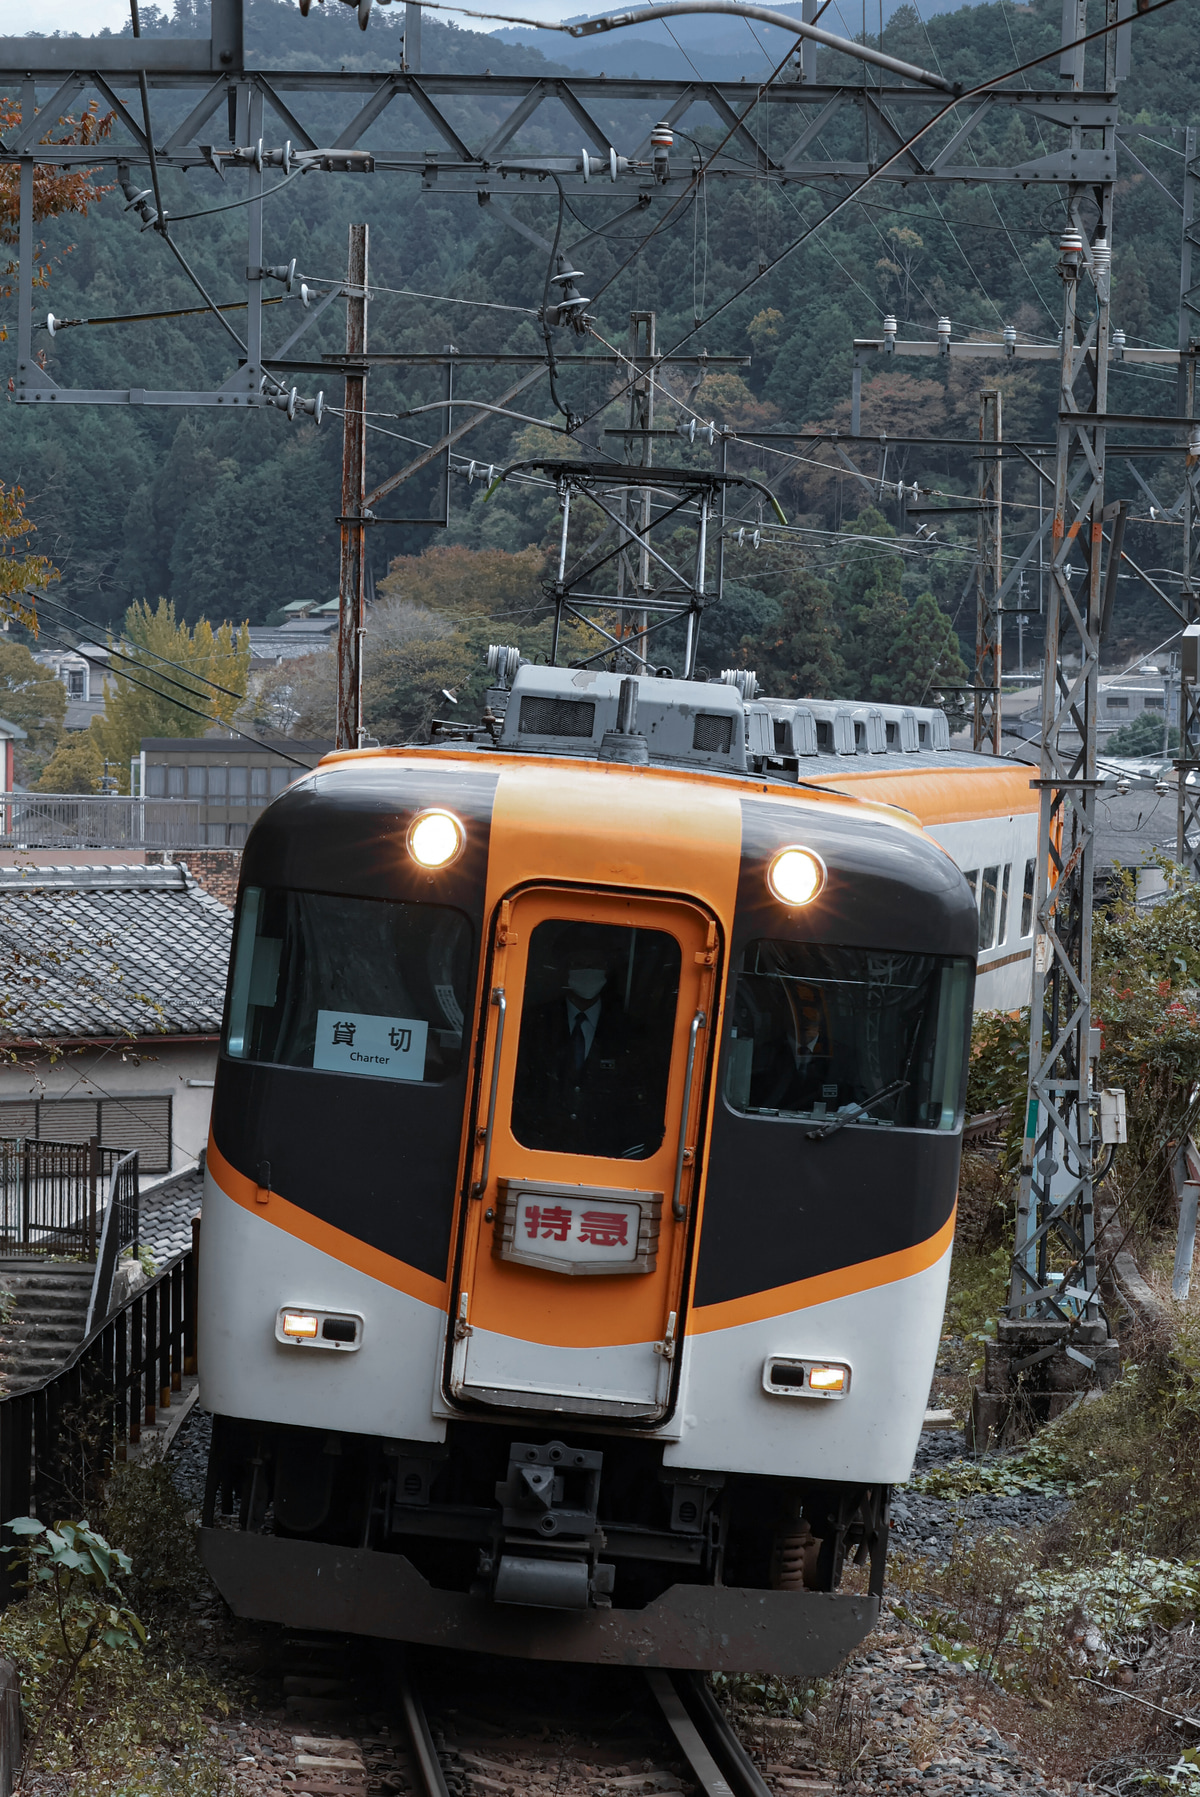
column 58, row 1441
column 49, row 1195
column 98, row 821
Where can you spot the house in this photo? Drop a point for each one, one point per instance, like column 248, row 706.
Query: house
column 10, row 735
column 113, row 981
column 82, row 671
column 230, row 778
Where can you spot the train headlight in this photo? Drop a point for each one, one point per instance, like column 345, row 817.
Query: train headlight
column 785, row 1377
column 796, row 876
column 298, row 1325
column 828, row 1379
column 435, row 838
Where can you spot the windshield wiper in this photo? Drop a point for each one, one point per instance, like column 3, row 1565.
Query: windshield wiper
column 853, row 1112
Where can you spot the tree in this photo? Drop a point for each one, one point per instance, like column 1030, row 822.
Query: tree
column 55, row 190
column 75, row 766
column 19, row 568
column 182, row 682
column 1142, row 736
column 459, row 582
column 797, row 657
column 33, row 697
column 924, row 658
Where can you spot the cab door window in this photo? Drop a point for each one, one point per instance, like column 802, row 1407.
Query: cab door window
column 594, row 1053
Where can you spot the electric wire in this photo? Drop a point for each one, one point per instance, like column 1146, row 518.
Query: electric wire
column 179, row 218
column 120, row 673
column 888, row 162
column 448, row 299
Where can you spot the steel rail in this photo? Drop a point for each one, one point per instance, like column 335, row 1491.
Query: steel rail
column 721, row 1764
column 428, row 1776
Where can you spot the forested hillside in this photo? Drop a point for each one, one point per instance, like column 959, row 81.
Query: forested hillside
column 232, row 518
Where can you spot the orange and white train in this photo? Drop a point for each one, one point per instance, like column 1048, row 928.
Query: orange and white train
column 584, row 1153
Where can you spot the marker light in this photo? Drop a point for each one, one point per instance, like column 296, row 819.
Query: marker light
column 796, row 876
column 435, row 838
column 827, row 1378
column 298, row 1325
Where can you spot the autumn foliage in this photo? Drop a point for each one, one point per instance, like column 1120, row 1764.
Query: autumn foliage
column 55, row 190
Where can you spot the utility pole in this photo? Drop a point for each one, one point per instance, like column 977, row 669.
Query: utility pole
column 1187, row 767
column 989, row 576
column 352, row 582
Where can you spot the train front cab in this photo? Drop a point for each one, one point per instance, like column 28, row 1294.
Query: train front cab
column 627, row 1363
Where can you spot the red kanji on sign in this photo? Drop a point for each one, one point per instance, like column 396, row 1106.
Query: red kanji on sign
column 553, row 1222
column 604, row 1228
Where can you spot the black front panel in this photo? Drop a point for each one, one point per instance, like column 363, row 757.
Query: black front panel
column 780, row 1206
column 374, row 1156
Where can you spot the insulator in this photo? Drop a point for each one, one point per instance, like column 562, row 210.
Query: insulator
column 889, row 326
column 567, row 274
column 1118, row 340
column 307, row 295
column 51, row 323
column 1071, row 241
column 283, row 271
column 741, row 536
column 756, row 539
column 1010, row 336
column 662, row 137
column 502, row 663
column 943, row 331
column 314, row 408
column 1161, row 787
column 1122, row 784
column 745, row 680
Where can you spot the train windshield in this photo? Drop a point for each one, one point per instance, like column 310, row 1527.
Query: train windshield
column 594, row 1056
column 816, row 1031
column 370, row 987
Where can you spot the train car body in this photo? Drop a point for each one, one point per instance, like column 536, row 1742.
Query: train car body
column 578, row 1205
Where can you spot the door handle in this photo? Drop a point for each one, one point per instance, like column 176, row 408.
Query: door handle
column 677, row 1209
column 501, row 1003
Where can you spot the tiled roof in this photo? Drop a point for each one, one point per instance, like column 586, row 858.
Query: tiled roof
column 110, row 951
column 166, row 1209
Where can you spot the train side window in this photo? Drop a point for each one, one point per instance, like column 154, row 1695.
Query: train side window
column 988, row 893
column 1002, row 932
column 972, row 880
column 597, row 1026
column 1027, row 900
column 816, row 1030
column 369, row 987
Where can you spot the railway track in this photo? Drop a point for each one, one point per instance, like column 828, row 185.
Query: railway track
column 716, row 1760
column 356, row 1722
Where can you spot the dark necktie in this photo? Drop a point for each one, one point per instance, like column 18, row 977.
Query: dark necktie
column 578, row 1049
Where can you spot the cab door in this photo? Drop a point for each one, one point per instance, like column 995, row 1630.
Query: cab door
column 584, row 1159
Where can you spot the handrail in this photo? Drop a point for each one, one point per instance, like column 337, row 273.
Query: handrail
column 110, row 1246
column 679, row 1211
column 499, row 1000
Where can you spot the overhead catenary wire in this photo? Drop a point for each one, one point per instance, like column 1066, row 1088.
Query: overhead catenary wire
column 880, row 168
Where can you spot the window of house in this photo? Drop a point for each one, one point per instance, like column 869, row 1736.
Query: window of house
column 196, row 781
column 237, row 786
column 258, row 785
column 141, row 1121
column 280, row 777
column 176, row 777
column 218, row 785
column 76, row 683
column 1117, row 701
column 156, row 780
column 1153, row 702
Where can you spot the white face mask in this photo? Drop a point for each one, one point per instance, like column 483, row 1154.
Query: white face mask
column 586, row 983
